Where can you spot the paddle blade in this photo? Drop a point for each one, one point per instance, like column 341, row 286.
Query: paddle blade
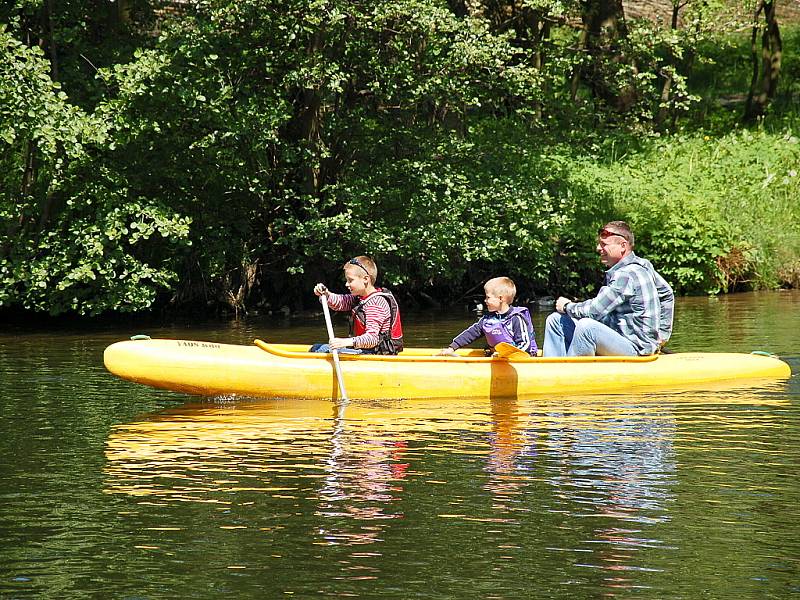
column 506, row 350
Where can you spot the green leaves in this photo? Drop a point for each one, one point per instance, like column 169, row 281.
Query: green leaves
column 254, row 143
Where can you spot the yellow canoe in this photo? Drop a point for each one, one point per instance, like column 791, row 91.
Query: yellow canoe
column 288, row 371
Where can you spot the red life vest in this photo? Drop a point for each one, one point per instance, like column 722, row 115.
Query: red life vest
column 391, row 341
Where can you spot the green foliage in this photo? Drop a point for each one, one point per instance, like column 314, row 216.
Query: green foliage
column 252, row 145
column 713, row 214
column 72, row 235
column 456, row 204
column 274, row 143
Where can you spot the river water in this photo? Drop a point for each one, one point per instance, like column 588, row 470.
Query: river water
column 113, row 490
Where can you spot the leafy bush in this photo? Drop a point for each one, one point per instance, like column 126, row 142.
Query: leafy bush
column 73, row 236
column 712, row 213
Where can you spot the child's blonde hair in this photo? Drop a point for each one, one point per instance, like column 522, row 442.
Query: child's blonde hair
column 501, row 286
column 366, row 265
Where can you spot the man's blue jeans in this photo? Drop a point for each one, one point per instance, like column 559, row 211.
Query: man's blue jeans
column 565, row 336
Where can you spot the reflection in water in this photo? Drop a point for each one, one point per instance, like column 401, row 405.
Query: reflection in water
column 205, row 453
column 512, row 451
column 600, row 469
column 353, row 466
column 611, row 462
column 363, row 479
column 620, row 470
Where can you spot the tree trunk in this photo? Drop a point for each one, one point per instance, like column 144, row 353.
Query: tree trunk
column 539, row 60
column 764, row 80
column 604, row 27
column 118, row 16
column 124, row 13
column 29, row 174
column 309, row 124
column 305, row 127
column 52, row 41
column 578, row 68
column 669, row 71
column 30, row 169
column 459, row 8
column 663, row 104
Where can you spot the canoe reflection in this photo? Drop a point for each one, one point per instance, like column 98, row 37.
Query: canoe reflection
column 350, row 475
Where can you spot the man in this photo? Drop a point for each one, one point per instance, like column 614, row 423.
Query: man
column 630, row 316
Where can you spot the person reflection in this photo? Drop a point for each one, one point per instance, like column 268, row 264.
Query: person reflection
column 364, row 474
column 509, row 449
column 618, row 472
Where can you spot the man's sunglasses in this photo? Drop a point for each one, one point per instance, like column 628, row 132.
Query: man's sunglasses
column 354, row 261
column 604, row 233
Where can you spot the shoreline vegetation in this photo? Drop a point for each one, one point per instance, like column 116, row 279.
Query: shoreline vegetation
column 220, row 156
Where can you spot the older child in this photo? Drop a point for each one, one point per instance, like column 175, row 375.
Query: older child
column 503, row 322
column 375, row 326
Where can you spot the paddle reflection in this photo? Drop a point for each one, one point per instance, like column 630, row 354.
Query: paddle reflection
column 350, row 463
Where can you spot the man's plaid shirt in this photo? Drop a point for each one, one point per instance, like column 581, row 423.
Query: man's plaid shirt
column 635, row 301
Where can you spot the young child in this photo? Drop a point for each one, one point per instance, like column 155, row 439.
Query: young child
column 503, row 322
column 375, row 326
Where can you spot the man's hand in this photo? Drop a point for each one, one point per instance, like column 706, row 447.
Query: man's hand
column 561, row 304
column 447, row 352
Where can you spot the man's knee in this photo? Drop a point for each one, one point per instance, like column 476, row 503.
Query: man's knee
column 587, row 329
column 553, row 320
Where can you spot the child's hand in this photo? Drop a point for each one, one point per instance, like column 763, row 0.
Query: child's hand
column 447, row 352
column 337, row 343
column 320, row 290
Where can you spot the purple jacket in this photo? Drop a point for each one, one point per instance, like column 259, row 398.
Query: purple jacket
column 514, row 327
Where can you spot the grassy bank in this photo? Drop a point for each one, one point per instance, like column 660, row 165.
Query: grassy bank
column 716, row 213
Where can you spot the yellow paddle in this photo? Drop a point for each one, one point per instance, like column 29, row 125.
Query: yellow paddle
column 324, row 300
column 506, row 350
